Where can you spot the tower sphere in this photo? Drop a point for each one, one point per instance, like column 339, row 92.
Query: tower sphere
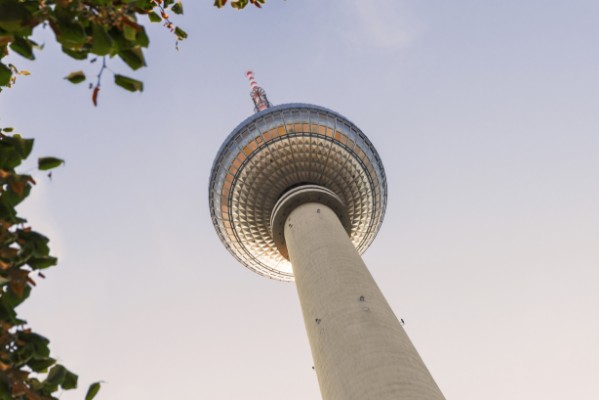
column 280, row 149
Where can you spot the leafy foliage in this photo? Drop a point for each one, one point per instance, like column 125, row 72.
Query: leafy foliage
column 239, row 4
column 93, row 390
column 46, row 163
column 129, row 84
column 75, row 77
column 86, row 30
column 27, row 372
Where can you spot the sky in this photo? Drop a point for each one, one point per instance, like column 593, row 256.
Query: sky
column 485, row 115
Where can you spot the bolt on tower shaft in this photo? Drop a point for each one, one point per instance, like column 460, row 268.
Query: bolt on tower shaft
column 298, row 192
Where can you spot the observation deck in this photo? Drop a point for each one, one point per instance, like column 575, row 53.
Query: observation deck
column 282, row 148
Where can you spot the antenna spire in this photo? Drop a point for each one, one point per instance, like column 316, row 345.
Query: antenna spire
column 257, row 94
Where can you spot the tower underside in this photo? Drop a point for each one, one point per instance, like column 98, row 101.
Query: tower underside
column 281, row 148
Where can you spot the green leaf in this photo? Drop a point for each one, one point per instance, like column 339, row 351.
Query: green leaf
column 101, row 43
column 142, row 38
column 14, row 16
column 23, row 47
column 75, row 77
column 220, row 3
column 16, row 193
column 93, row 390
column 59, row 376
column 71, row 33
column 35, row 384
column 129, row 32
column 70, row 381
column 35, row 244
column 46, row 163
column 76, row 54
column 42, row 262
column 9, row 301
column 177, row 8
column 134, row 58
column 23, row 146
column 38, row 344
column 120, row 43
column 239, row 4
column 5, row 74
column 13, row 150
column 144, row 5
column 41, row 365
column 7, row 129
column 181, row 34
column 154, row 17
column 56, row 376
column 129, row 84
column 22, row 355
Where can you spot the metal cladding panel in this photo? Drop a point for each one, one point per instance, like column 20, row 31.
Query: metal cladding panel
column 280, row 148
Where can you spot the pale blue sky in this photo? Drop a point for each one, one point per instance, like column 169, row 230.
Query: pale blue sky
column 486, row 117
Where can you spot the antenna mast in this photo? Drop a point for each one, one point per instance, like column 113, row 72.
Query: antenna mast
column 257, row 94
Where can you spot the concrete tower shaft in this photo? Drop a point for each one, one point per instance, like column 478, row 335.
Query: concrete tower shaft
column 360, row 350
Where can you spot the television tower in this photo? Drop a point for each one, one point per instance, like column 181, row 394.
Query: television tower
column 298, row 192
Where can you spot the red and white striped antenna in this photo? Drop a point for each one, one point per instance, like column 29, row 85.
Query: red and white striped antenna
column 257, row 94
